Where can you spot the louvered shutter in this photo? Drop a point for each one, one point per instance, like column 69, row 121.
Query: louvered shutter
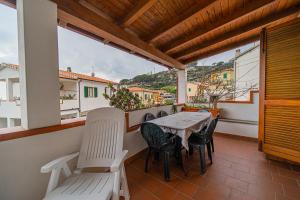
column 86, row 91
column 281, row 99
column 95, row 92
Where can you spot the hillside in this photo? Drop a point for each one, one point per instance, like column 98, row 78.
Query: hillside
column 168, row 78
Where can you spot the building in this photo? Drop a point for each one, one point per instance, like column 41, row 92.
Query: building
column 79, row 93
column 148, row 97
column 226, row 75
column 246, row 71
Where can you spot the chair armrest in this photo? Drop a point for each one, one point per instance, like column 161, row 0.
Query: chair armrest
column 118, row 161
column 58, row 163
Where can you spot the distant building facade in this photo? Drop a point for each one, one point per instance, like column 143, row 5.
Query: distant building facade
column 148, row 97
column 246, row 71
column 79, row 93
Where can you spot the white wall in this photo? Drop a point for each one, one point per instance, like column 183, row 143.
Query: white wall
column 3, row 122
column 21, row 160
column 90, row 103
column 10, row 109
column 9, row 73
column 137, row 117
column 247, row 71
column 237, row 111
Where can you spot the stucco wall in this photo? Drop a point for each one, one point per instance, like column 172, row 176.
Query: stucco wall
column 87, row 104
column 247, row 71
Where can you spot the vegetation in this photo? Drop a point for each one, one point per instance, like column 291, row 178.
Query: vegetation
column 170, row 89
column 166, row 80
column 123, row 99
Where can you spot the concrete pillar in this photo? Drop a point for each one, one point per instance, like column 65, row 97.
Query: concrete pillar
column 181, row 86
column 10, row 122
column 38, row 59
column 9, row 90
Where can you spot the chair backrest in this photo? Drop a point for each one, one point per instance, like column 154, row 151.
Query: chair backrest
column 210, row 128
column 162, row 114
column 203, row 110
column 148, row 117
column 216, row 121
column 102, row 137
column 154, row 135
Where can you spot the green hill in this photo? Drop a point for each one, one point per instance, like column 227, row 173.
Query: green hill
column 167, row 79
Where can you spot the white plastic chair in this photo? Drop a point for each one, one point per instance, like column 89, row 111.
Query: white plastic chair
column 102, row 146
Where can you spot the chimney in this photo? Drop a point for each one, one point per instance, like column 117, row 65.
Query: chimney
column 237, row 52
column 93, row 74
column 69, row 69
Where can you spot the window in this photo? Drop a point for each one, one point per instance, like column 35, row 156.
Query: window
column 190, row 89
column 146, row 96
column 10, row 105
column 90, row 92
column 225, row 76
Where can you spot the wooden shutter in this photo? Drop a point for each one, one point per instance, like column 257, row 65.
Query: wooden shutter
column 280, row 91
column 86, row 91
column 95, row 92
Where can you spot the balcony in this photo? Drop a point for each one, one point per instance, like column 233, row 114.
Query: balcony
column 269, row 122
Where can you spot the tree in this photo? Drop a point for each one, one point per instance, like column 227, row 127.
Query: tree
column 218, row 88
column 169, row 89
column 123, row 99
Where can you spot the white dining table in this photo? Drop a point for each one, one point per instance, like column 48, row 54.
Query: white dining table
column 183, row 124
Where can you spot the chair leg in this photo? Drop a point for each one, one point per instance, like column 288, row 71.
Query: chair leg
column 147, row 159
column 212, row 144
column 124, row 184
column 208, row 146
column 202, row 158
column 166, row 166
column 191, row 150
column 156, row 156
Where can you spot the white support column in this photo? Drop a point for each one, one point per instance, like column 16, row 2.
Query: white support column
column 181, row 86
column 10, row 122
column 38, row 59
column 9, row 90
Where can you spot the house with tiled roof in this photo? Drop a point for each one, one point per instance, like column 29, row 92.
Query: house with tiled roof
column 148, row 97
column 79, row 93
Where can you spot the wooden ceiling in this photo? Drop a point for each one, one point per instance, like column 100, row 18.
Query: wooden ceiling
column 174, row 32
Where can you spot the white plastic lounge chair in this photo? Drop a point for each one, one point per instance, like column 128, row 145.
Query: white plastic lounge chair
column 102, row 146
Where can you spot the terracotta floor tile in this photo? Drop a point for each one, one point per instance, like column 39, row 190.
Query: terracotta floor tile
column 213, row 192
column 238, row 195
column 292, row 191
column 285, row 197
column 238, row 172
column 143, row 195
column 187, row 188
column 236, row 184
column 166, row 193
column 181, row 197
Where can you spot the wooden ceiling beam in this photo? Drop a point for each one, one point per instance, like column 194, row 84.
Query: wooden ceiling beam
column 141, row 7
column 222, row 49
column 95, row 9
column 179, row 20
column 9, row 3
column 241, row 30
column 81, row 17
column 249, row 8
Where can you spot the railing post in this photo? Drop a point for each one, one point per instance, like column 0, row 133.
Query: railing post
column 38, row 59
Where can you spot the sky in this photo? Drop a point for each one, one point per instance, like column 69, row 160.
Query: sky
column 85, row 55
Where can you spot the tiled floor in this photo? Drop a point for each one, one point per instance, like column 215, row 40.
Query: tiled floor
column 239, row 171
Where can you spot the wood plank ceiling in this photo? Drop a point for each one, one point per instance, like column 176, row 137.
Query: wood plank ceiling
column 174, row 32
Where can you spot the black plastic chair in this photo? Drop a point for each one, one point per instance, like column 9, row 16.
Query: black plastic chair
column 200, row 140
column 148, row 117
column 160, row 142
column 212, row 138
column 162, row 114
